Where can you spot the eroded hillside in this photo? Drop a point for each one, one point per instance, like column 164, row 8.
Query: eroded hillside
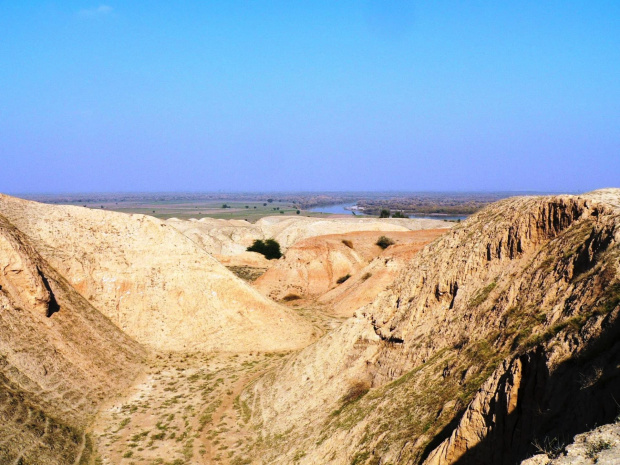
column 231, row 237
column 468, row 345
column 342, row 271
column 500, row 333
column 156, row 284
column 59, row 358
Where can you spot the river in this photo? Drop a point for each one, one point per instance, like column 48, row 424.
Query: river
column 341, row 209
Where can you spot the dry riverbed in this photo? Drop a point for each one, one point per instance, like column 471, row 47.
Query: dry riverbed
column 184, row 410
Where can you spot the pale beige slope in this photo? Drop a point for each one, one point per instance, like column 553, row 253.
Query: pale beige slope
column 502, row 331
column 59, row 359
column 231, row 237
column 153, row 282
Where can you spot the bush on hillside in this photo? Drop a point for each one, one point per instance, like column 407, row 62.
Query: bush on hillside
column 384, row 242
column 343, row 278
column 270, row 248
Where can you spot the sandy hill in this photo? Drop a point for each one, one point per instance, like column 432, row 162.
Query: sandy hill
column 153, row 282
column 364, row 286
column 314, row 266
column 503, row 332
column 231, row 237
column 59, row 358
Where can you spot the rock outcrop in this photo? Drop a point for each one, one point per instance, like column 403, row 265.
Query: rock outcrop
column 153, row 282
column 485, row 343
column 600, row 446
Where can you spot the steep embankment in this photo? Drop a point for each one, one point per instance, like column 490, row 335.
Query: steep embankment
column 59, row 358
column 155, row 283
column 500, row 333
column 232, row 237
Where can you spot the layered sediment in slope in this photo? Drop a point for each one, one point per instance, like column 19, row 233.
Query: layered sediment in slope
column 232, row 237
column 59, row 358
column 336, row 265
column 153, row 282
column 500, row 333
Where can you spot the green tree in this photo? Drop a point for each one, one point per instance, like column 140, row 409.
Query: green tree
column 270, row 248
column 399, row 214
column 385, row 213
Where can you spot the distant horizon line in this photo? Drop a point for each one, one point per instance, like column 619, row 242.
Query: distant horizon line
column 255, row 192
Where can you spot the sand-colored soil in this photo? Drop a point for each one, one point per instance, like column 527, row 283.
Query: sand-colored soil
column 184, row 410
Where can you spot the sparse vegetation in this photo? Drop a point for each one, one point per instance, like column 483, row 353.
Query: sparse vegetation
column 356, row 391
column 551, row 447
column 342, row 279
column 482, row 295
column 384, row 242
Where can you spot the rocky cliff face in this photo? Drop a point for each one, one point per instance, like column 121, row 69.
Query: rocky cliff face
column 483, row 345
column 59, row 358
column 153, row 282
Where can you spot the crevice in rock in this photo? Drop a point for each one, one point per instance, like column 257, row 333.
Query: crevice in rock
column 52, row 306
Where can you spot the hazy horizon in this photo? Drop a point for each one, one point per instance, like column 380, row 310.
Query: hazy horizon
column 300, row 192
column 309, row 96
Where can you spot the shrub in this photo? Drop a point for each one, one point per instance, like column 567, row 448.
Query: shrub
column 385, row 213
column 399, row 215
column 356, row 391
column 270, row 248
column 482, row 295
column 594, row 448
column 384, row 242
column 343, row 278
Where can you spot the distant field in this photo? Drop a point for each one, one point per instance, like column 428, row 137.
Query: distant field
column 238, row 210
column 253, row 206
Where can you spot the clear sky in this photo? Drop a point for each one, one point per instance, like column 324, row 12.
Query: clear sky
column 309, row 95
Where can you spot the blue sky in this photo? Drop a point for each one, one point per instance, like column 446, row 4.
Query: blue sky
column 322, row 95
